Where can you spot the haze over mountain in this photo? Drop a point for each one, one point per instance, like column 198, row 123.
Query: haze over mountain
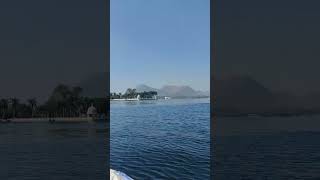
column 237, row 93
column 143, row 87
column 243, row 94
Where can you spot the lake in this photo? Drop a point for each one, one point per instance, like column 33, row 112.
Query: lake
column 162, row 139
column 53, row 151
column 267, row 148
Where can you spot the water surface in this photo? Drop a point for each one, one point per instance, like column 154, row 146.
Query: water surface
column 267, row 148
column 163, row 139
column 53, row 151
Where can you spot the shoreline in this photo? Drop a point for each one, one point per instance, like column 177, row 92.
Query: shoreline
column 53, row 120
column 150, row 99
column 268, row 115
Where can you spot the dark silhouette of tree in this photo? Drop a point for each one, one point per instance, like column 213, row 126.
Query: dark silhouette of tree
column 14, row 105
column 64, row 101
column 148, row 95
column 4, row 107
column 130, row 93
column 76, row 99
column 33, row 104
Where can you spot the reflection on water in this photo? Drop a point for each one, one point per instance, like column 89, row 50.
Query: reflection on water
column 53, row 151
column 163, row 139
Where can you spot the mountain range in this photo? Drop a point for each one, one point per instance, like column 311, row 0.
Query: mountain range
column 97, row 86
column 233, row 94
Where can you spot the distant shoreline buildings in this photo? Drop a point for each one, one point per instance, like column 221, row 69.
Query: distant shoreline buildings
column 133, row 95
column 144, row 92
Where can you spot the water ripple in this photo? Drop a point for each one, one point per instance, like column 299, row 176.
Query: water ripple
column 162, row 140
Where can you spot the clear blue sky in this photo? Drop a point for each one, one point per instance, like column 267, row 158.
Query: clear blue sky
column 160, row 42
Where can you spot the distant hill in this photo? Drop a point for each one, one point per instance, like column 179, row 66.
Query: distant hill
column 178, row 91
column 96, row 86
column 173, row 91
column 235, row 94
column 143, row 87
column 243, row 94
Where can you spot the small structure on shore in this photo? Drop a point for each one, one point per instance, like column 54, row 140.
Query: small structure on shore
column 92, row 112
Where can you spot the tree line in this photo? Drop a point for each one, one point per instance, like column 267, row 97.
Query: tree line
column 64, row 101
column 132, row 93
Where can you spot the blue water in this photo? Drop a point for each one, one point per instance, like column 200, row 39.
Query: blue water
column 39, row 151
column 164, row 139
column 267, row 148
column 276, row 156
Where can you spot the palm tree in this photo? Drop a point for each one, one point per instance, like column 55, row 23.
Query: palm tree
column 14, row 104
column 33, row 104
column 75, row 98
column 4, row 107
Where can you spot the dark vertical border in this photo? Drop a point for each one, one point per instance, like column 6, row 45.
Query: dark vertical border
column 212, row 78
column 107, row 57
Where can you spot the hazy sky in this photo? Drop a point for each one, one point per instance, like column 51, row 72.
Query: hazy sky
column 159, row 42
column 276, row 42
column 43, row 43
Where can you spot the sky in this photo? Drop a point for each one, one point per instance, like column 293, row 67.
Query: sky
column 159, row 43
column 275, row 42
column 43, row 43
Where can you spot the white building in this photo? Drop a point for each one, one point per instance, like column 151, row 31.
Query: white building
column 92, row 111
